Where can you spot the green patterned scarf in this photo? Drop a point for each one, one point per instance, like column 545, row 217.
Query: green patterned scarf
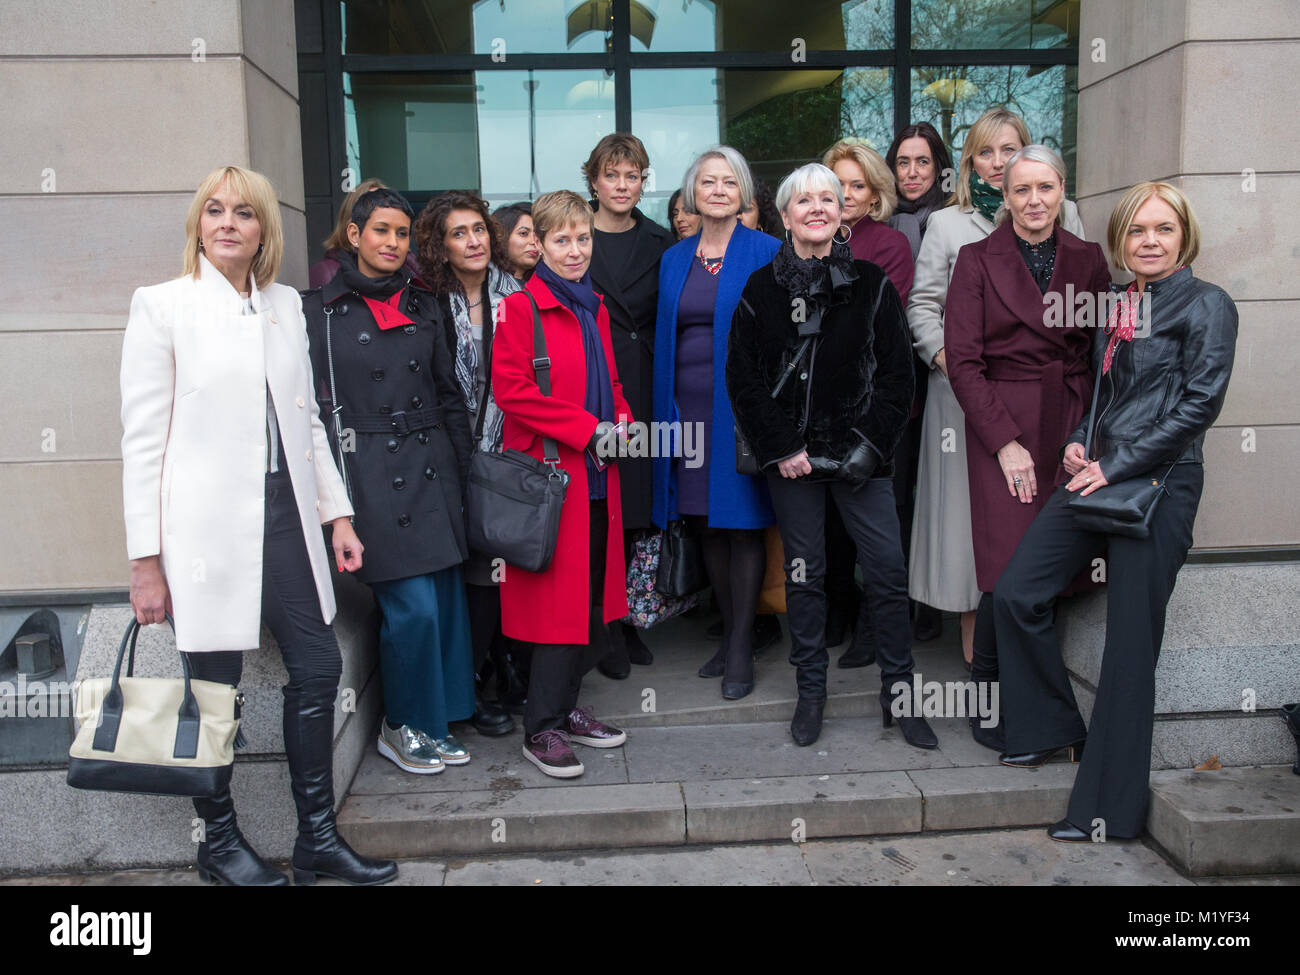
column 986, row 197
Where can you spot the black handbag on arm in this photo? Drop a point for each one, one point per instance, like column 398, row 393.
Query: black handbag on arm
column 513, row 501
column 1123, row 508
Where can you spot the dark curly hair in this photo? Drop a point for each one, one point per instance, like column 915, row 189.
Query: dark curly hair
column 431, row 231
column 769, row 218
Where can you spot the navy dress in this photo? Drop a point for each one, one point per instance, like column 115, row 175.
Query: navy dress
column 694, row 391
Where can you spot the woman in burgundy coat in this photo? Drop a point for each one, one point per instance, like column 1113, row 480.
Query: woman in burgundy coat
column 1018, row 360
column 564, row 610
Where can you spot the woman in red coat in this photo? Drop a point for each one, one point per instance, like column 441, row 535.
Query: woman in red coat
column 1018, row 360
column 564, row 609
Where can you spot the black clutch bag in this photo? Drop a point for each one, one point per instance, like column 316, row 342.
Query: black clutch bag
column 681, row 562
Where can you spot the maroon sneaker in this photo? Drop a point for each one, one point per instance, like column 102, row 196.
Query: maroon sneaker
column 584, row 729
column 550, row 752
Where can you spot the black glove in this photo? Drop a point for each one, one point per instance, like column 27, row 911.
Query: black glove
column 603, row 443
column 823, row 468
column 859, row 465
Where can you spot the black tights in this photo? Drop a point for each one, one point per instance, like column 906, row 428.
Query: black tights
column 735, row 559
column 984, row 653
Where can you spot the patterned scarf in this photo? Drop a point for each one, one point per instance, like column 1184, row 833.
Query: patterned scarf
column 499, row 284
column 1122, row 324
column 986, row 197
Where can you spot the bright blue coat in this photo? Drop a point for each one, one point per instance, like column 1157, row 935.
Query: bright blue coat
column 735, row 500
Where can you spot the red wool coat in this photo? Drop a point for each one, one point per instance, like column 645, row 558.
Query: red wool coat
column 1019, row 374
column 554, row 606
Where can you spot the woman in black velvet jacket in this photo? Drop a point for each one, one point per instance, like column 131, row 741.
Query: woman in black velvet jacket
column 834, row 330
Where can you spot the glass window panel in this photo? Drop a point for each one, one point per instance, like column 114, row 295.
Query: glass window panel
column 970, row 24
column 761, row 25
column 484, row 130
column 496, row 27
column 777, row 119
column 952, row 98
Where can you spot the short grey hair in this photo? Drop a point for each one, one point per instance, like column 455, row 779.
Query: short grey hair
column 1035, row 152
column 813, row 176
column 738, row 166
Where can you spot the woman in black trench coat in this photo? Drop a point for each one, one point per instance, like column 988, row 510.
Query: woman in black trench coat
column 381, row 354
column 625, row 269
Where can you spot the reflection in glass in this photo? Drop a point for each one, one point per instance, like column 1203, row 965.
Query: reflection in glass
column 510, row 134
column 943, row 24
column 762, row 25
column 496, row 27
column 777, row 119
column 952, row 98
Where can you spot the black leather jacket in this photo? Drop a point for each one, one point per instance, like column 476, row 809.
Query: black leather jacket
column 1166, row 387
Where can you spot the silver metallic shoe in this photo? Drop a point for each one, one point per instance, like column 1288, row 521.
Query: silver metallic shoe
column 451, row 751
column 410, row 749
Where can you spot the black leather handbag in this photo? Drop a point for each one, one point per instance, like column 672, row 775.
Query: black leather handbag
column 1124, row 508
column 513, row 501
column 681, row 562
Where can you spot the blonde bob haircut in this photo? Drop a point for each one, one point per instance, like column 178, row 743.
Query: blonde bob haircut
column 812, row 176
column 256, row 191
column 1125, row 212
column 982, row 134
column 1032, row 153
column 739, row 168
column 876, row 170
column 555, row 211
column 338, row 240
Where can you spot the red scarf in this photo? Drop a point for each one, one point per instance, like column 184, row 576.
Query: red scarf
column 386, row 314
column 1122, row 324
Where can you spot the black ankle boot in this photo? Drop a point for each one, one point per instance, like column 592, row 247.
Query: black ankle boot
column 309, row 745
column 806, row 726
column 994, row 737
column 1291, row 715
column 224, row 854
column 637, row 652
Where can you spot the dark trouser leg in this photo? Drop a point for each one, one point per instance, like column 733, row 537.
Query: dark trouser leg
column 984, row 659
column 871, row 517
column 1038, row 704
column 801, row 517
column 1113, row 779
column 484, row 621
column 844, row 600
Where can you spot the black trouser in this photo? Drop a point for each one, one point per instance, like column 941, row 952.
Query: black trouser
column 871, row 518
column 1038, row 703
column 556, row 675
column 290, row 602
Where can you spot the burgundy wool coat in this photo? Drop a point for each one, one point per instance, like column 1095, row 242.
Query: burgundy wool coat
column 1019, row 374
column 554, row 606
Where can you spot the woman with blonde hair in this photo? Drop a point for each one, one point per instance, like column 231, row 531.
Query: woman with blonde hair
column 225, row 464
column 1148, row 419
column 941, row 567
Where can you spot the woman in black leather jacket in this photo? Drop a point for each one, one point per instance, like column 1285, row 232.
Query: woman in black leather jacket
column 1166, row 356
column 831, row 332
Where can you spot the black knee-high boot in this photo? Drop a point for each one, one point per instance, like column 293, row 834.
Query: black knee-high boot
column 309, row 745
column 224, row 854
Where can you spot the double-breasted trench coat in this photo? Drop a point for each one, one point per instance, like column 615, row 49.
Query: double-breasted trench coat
column 554, row 606
column 631, row 293
column 1021, row 371
column 405, row 414
column 735, row 500
column 195, row 373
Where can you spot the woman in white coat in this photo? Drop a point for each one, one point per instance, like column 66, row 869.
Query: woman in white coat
column 942, row 563
column 227, row 478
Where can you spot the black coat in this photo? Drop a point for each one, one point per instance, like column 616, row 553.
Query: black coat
column 859, row 368
column 632, row 297
column 400, row 399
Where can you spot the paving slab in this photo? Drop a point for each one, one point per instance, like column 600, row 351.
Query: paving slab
column 1231, row 821
column 993, row 858
column 510, row 820
column 731, row 865
column 798, row 808
column 980, row 798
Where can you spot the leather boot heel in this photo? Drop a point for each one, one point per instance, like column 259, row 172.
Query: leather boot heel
column 303, row 878
column 224, row 856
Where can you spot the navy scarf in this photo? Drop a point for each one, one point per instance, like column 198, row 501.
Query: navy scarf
column 579, row 298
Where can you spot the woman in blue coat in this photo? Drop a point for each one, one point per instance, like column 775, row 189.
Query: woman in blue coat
column 700, row 281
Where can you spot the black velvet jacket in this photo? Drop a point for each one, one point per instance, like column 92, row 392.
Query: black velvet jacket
column 855, row 382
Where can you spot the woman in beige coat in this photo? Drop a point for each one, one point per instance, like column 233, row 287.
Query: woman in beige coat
column 227, row 478
column 942, row 564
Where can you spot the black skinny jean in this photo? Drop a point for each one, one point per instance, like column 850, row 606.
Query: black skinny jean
column 1038, row 703
column 556, row 675
column 871, row 518
column 290, row 603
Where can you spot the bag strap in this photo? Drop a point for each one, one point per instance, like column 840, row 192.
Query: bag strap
column 542, row 373
column 487, row 356
column 336, row 409
column 188, row 718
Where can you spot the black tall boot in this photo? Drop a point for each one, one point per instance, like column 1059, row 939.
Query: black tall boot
column 1291, row 715
column 309, row 745
column 224, row 854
